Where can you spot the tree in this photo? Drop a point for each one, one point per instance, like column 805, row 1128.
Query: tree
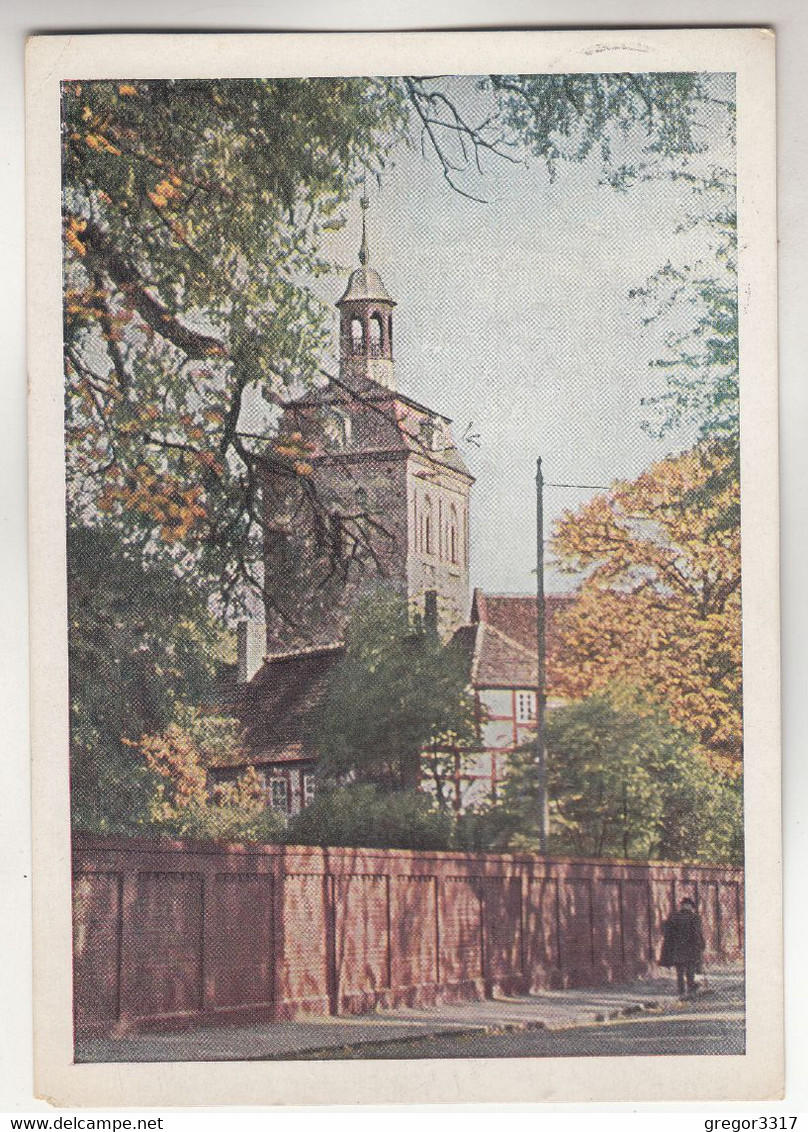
column 192, row 214
column 180, row 803
column 660, row 606
column 141, row 641
column 396, row 692
column 623, row 783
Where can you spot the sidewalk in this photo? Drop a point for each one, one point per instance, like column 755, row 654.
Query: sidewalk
column 549, row 1010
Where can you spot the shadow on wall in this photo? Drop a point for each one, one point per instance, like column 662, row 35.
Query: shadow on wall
column 172, row 934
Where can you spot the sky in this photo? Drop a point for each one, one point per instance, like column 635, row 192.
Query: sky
column 514, row 318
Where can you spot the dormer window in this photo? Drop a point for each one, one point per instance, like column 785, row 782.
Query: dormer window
column 337, row 427
column 431, row 435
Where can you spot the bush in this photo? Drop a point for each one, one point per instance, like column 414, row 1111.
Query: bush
column 362, row 815
column 181, row 804
column 623, row 782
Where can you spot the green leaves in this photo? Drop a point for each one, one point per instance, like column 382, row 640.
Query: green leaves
column 141, row 641
column 623, row 783
column 396, row 691
column 363, row 815
column 193, row 212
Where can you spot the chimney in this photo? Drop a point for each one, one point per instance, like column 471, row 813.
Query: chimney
column 251, row 647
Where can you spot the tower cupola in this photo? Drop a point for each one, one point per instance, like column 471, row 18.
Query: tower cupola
column 366, row 322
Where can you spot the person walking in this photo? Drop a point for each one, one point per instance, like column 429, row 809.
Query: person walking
column 683, row 946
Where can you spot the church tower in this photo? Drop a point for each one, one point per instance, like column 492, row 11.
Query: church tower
column 366, row 324
column 383, row 498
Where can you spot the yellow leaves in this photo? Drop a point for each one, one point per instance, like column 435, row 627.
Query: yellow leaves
column 210, row 460
column 72, row 229
column 127, row 90
column 297, row 451
column 174, row 506
column 660, row 606
column 165, row 190
column 86, row 303
column 174, row 758
column 100, row 143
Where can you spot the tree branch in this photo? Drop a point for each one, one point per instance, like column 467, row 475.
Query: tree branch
column 102, row 254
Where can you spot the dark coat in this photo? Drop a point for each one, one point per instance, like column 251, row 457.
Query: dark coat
column 682, row 940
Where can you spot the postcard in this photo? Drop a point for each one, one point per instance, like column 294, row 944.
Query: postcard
column 404, row 567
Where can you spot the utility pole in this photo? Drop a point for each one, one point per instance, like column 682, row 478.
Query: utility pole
column 541, row 652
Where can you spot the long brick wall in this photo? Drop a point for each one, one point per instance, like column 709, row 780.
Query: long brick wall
column 173, row 934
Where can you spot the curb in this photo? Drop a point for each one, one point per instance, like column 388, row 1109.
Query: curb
column 651, row 1006
column 493, row 1030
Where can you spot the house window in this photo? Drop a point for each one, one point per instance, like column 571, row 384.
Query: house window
column 279, row 794
column 308, row 789
column 357, row 336
column 525, row 707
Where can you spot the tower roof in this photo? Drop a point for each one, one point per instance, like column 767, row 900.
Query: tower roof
column 365, row 282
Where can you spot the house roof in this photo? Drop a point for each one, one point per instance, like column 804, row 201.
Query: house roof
column 275, row 708
column 515, row 616
column 504, row 651
column 383, row 423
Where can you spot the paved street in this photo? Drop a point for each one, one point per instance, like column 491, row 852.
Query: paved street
column 713, row 1025
column 640, row 1018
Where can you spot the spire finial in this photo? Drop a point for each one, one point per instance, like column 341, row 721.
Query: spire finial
column 364, row 204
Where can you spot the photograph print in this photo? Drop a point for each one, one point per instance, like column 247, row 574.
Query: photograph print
column 403, row 566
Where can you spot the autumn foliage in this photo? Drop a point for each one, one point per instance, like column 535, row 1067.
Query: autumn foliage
column 660, row 606
column 181, row 802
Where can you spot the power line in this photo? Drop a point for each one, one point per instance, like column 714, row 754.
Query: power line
column 584, row 486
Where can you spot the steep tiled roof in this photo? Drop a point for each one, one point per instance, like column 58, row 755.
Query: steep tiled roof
column 382, row 423
column 275, row 708
column 504, row 627
column 515, row 616
column 501, row 662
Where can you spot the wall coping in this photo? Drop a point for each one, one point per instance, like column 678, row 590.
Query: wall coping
column 118, row 843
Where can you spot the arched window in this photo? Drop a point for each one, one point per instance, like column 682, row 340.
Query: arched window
column 454, row 546
column 357, row 336
column 428, row 538
column 376, row 335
